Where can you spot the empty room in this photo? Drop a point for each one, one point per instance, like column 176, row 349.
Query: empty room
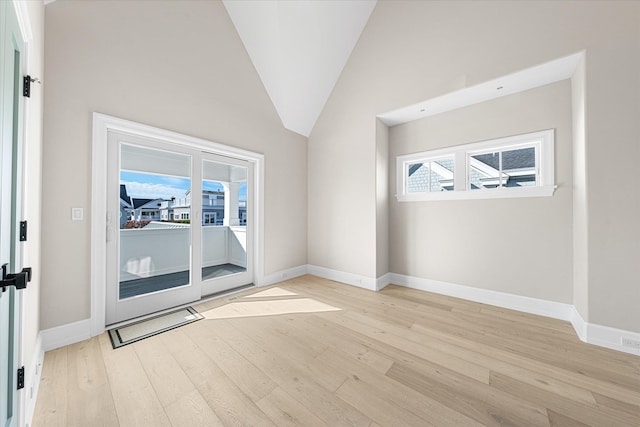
column 319, row 213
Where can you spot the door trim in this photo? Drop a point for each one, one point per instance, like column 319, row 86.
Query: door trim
column 102, row 124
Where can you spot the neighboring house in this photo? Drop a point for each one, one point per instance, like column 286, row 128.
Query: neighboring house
column 212, row 207
column 125, row 205
column 518, row 170
column 134, row 209
column 145, row 209
column 440, row 172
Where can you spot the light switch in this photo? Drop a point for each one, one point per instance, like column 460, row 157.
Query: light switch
column 77, row 214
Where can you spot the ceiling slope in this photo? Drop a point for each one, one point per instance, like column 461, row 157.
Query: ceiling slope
column 299, row 49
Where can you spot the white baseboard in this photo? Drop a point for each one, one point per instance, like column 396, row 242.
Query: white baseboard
column 343, row 277
column 283, row 275
column 541, row 307
column 66, row 334
column 599, row 335
column 579, row 325
column 32, row 381
column 605, row 336
column 383, row 281
column 350, row 278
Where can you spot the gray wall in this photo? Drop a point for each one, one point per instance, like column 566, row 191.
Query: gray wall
column 175, row 65
column 580, row 202
column 521, row 246
column 382, row 198
column 411, row 51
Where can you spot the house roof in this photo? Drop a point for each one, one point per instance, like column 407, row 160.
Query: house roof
column 141, row 203
column 512, row 159
column 157, row 225
column 123, row 194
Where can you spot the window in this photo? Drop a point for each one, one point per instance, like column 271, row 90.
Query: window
column 512, row 167
column 209, row 218
column 515, row 166
column 430, row 175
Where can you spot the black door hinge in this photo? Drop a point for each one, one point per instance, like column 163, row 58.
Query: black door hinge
column 26, row 86
column 21, row 378
column 23, row 231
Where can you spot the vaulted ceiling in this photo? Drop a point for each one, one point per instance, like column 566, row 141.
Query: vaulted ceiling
column 299, row 49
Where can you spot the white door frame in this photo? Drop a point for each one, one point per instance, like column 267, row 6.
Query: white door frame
column 102, row 124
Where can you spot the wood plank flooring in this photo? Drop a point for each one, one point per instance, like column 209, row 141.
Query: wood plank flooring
column 312, row 352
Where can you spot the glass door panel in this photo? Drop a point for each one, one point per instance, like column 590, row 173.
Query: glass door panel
column 224, row 214
column 154, row 233
column 155, row 241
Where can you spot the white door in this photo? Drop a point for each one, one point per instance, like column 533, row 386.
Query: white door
column 11, row 48
column 180, row 225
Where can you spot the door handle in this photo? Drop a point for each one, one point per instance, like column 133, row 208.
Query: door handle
column 19, row 280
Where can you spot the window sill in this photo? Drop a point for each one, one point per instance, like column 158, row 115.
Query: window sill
column 494, row 193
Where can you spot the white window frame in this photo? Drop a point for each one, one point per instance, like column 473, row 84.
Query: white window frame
column 543, row 141
column 211, row 217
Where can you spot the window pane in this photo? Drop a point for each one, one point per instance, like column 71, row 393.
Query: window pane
column 442, row 174
column 484, row 171
column 224, row 213
column 155, row 191
column 519, row 166
column 418, row 179
column 430, row 176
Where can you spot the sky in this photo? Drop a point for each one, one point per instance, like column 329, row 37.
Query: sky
column 149, row 186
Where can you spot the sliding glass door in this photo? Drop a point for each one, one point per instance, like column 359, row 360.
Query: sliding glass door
column 177, row 225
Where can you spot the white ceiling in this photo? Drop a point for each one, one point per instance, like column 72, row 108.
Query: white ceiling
column 299, row 49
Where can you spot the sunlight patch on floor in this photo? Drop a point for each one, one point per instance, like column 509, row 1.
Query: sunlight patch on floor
column 267, row 308
column 273, row 292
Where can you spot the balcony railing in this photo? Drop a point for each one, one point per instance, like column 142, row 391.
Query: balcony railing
column 164, row 248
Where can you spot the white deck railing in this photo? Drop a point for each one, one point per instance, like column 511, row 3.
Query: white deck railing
column 156, row 251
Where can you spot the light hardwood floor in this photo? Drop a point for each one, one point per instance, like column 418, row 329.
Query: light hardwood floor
column 312, row 352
